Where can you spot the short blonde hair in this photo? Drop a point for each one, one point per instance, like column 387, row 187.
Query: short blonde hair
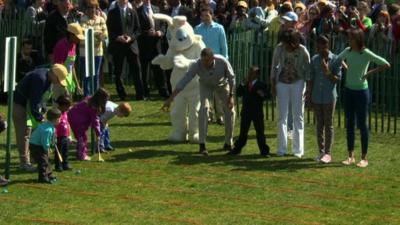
column 125, row 109
column 93, row 3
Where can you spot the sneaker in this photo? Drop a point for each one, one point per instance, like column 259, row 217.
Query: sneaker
column 327, row 158
column 298, row 155
column 319, row 157
column 66, row 167
column 349, row 161
column 280, row 154
column 3, row 181
column 109, row 148
column 87, row 158
column 203, row 150
column 27, row 168
column 52, row 178
column 363, row 163
column 45, row 180
column 220, row 121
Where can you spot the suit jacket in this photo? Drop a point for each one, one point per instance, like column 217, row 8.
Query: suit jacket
column 252, row 102
column 148, row 45
column 56, row 29
column 184, row 11
column 114, row 26
column 24, row 66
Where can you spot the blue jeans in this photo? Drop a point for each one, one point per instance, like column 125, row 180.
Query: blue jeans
column 87, row 87
column 356, row 104
column 104, row 136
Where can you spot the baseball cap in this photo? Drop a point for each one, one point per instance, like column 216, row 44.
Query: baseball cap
column 77, row 30
column 290, row 16
column 242, row 4
column 61, row 72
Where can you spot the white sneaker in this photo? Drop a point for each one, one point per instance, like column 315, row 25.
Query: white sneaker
column 349, row 161
column 87, row 158
column 326, row 158
column 363, row 163
column 298, row 155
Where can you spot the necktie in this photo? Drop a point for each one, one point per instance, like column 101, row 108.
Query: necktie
column 150, row 15
column 123, row 18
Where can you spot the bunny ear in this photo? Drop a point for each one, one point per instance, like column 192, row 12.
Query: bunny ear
column 166, row 18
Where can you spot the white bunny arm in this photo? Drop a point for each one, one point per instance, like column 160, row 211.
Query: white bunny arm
column 181, row 62
column 164, row 61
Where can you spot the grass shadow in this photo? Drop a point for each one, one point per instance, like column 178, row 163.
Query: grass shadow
column 146, row 154
column 140, row 124
column 253, row 162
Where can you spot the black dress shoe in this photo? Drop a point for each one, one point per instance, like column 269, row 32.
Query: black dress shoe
column 233, row 152
column 265, row 154
column 227, row 147
column 66, row 167
column 265, row 151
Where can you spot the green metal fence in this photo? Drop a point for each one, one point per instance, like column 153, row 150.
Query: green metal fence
column 254, row 48
column 22, row 27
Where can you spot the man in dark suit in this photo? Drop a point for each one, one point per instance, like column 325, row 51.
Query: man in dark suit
column 27, row 60
column 254, row 93
column 177, row 9
column 56, row 25
column 123, row 31
column 149, row 47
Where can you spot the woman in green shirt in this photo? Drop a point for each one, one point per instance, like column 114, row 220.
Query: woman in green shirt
column 356, row 92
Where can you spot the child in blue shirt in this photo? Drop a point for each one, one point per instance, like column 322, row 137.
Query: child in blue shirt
column 41, row 140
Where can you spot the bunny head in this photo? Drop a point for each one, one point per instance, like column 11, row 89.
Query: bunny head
column 180, row 34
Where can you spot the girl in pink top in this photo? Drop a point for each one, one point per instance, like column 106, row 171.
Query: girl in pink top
column 62, row 134
column 64, row 52
column 85, row 114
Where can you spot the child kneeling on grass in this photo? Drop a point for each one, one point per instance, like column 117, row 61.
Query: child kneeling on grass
column 112, row 109
column 84, row 114
column 41, row 140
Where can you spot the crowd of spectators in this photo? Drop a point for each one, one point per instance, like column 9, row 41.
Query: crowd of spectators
column 379, row 19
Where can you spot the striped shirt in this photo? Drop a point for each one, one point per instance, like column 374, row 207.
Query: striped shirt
column 99, row 27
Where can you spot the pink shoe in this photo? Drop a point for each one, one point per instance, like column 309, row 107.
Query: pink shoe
column 326, row 158
column 363, row 163
column 349, row 161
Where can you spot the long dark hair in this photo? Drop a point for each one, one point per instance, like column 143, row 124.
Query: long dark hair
column 98, row 100
column 291, row 37
column 358, row 36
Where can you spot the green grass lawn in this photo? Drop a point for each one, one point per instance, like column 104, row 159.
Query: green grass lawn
column 148, row 180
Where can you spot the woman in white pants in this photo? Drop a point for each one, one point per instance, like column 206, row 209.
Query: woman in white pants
column 290, row 71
